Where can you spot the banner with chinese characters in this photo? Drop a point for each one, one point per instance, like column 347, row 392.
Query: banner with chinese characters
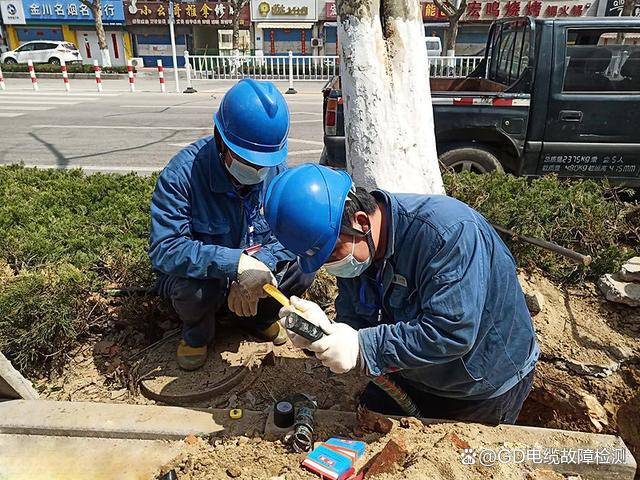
column 71, row 11
column 494, row 9
column 284, row 10
column 330, row 11
column 194, row 13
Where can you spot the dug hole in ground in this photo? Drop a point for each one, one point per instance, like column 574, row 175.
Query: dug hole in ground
column 586, row 381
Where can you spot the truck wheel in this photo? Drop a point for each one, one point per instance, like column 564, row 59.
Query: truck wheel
column 470, row 159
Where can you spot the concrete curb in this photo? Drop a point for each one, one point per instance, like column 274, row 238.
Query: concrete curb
column 149, row 422
column 13, row 384
column 81, row 76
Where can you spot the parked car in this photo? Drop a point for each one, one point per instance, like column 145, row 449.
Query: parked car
column 43, row 51
column 551, row 96
column 434, row 46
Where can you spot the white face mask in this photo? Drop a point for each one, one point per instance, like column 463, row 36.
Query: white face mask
column 246, row 174
column 349, row 266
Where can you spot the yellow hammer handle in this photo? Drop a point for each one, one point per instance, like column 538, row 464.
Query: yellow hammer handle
column 277, row 294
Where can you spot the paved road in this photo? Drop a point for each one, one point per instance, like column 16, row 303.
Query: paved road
column 119, row 131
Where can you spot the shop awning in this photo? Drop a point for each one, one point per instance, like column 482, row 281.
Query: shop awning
column 285, row 26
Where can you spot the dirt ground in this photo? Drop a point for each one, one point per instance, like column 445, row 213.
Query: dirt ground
column 588, row 378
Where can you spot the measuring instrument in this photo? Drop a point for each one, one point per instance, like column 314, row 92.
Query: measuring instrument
column 295, row 322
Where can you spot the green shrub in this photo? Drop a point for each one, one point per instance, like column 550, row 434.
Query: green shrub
column 48, row 68
column 65, row 236
column 581, row 215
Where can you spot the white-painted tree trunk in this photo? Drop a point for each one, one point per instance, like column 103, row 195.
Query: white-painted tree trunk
column 389, row 128
column 106, row 58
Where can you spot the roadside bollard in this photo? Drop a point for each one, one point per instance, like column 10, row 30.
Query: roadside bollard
column 163, row 89
column 2, row 87
column 65, row 76
column 32, row 74
column 291, row 89
column 96, row 69
column 132, row 80
column 187, row 66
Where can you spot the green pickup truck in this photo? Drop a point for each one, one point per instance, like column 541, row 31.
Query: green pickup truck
column 551, row 96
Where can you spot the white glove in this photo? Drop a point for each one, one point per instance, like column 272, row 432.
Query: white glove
column 252, row 275
column 338, row 349
column 241, row 304
column 308, row 310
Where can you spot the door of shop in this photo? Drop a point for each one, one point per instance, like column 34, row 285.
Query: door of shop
column 88, row 46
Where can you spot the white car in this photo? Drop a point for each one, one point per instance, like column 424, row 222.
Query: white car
column 43, row 51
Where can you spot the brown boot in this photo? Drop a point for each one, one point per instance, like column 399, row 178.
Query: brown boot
column 274, row 333
column 190, row 358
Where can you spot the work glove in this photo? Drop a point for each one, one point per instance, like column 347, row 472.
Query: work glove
column 240, row 304
column 252, row 275
column 338, row 349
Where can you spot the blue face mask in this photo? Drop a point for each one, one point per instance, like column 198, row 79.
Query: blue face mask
column 349, row 266
column 246, row 174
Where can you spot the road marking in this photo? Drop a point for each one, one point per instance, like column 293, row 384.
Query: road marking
column 104, row 168
column 36, row 102
column 45, row 93
column 308, row 142
column 22, row 107
column 208, row 107
column 307, row 113
column 305, row 121
column 10, row 115
column 303, row 152
column 123, row 127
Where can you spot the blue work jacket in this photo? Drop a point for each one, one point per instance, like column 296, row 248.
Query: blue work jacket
column 201, row 224
column 445, row 309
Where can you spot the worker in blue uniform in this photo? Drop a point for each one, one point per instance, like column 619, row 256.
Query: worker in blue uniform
column 427, row 294
column 210, row 243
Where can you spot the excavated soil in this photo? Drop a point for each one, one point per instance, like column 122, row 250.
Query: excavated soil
column 588, row 379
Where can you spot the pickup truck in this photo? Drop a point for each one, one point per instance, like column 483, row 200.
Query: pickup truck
column 550, row 96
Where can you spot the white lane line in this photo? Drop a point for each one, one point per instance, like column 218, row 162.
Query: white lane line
column 307, row 142
column 123, row 127
column 100, row 168
column 44, row 93
column 207, row 107
column 22, row 107
column 35, row 102
column 181, row 145
column 318, row 114
column 305, row 121
column 303, row 152
column 10, row 115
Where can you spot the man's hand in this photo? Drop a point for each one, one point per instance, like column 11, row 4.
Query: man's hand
column 338, row 349
column 252, row 275
column 241, row 304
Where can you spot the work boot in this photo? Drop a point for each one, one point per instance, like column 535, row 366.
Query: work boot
column 274, row 333
column 191, row 358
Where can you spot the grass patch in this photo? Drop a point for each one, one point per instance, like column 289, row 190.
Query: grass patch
column 48, row 68
column 65, row 236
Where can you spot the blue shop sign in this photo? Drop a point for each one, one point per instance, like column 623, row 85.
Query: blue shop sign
column 71, row 11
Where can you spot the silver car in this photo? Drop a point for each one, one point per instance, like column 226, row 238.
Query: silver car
column 43, row 51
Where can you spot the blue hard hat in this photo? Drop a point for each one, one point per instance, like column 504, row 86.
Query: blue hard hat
column 303, row 207
column 253, row 121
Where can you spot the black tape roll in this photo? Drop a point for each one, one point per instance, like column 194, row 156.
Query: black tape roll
column 283, row 414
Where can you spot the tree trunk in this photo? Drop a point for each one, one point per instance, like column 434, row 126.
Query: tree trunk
column 235, row 25
column 389, row 129
column 452, row 36
column 96, row 8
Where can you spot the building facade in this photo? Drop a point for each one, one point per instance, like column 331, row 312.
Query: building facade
column 67, row 20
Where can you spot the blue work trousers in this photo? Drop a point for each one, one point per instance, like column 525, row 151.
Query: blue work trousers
column 198, row 301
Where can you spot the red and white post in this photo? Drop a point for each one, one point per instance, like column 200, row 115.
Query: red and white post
column 132, row 79
column 97, row 71
column 32, row 74
column 2, row 87
column 163, row 88
column 65, row 76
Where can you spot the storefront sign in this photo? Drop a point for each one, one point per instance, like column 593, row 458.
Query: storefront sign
column 330, row 11
column 431, row 13
column 614, row 8
column 283, row 10
column 70, row 11
column 12, row 12
column 196, row 13
column 492, row 10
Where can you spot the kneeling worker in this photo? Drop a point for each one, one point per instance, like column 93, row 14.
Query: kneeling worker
column 210, row 243
column 427, row 293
